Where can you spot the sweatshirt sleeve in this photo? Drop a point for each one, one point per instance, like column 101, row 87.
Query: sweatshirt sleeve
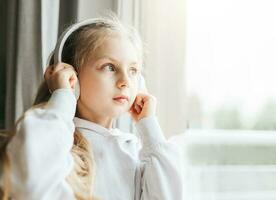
column 160, row 172
column 40, row 150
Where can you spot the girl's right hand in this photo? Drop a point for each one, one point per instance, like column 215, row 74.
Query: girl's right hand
column 59, row 76
column 143, row 106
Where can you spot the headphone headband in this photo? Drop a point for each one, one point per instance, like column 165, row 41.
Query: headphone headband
column 63, row 37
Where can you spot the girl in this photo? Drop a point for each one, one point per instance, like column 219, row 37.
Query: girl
column 51, row 155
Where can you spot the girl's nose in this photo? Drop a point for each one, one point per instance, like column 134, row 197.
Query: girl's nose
column 123, row 80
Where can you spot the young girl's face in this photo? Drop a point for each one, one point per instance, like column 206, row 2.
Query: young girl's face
column 111, row 71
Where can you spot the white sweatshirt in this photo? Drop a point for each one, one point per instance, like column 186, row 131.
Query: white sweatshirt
column 127, row 167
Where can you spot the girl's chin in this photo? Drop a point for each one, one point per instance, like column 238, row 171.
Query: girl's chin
column 118, row 113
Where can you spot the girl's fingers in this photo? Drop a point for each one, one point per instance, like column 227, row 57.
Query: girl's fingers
column 61, row 66
column 141, row 102
column 141, row 99
column 70, row 71
column 48, row 72
column 52, row 69
column 70, row 75
column 138, row 109
column 61, row 75
column 143, row 106
column 138, row 103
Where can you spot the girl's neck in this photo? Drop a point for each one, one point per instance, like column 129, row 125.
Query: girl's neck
column 106, row 122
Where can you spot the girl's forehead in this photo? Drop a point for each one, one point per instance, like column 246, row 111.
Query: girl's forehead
column 117, row 47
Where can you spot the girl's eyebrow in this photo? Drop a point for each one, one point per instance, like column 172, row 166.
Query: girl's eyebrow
column 115, row 60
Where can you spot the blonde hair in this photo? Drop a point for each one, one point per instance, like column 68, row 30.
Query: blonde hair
column 5, row 167
column 79, row 45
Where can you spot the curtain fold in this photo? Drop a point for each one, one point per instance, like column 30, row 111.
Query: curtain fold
column 49, row 25
column 68, row 14
column 3, row 43
column 23, row 65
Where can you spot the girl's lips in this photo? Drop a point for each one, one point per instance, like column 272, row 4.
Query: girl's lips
column 121, row 99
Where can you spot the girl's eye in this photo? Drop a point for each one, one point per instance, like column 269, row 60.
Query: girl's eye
column 109, row 67
column 134, row 70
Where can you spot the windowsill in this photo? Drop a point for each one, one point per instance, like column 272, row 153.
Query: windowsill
column 228, row 147
column 228, row 164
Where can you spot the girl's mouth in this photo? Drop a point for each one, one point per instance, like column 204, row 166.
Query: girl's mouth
column 121, row 99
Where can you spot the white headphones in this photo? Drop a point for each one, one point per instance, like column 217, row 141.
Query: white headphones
column 56, row 55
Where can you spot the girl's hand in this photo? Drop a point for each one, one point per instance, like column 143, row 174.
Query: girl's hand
column 59, row 76
column 143, row 106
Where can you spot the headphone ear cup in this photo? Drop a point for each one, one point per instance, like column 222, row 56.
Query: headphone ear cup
column 142, row 84
column 77, row 89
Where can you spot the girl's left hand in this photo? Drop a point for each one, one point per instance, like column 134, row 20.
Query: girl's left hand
column 143, row 106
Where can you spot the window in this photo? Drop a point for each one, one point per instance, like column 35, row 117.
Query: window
column 231, row 65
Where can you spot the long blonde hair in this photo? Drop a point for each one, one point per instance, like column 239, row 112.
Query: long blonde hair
column 5, row 167
column 80, row 44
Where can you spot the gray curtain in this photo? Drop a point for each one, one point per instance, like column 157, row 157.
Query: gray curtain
column 24, row 70
column 3, row 28
column 68, row 14
column 23, row 57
